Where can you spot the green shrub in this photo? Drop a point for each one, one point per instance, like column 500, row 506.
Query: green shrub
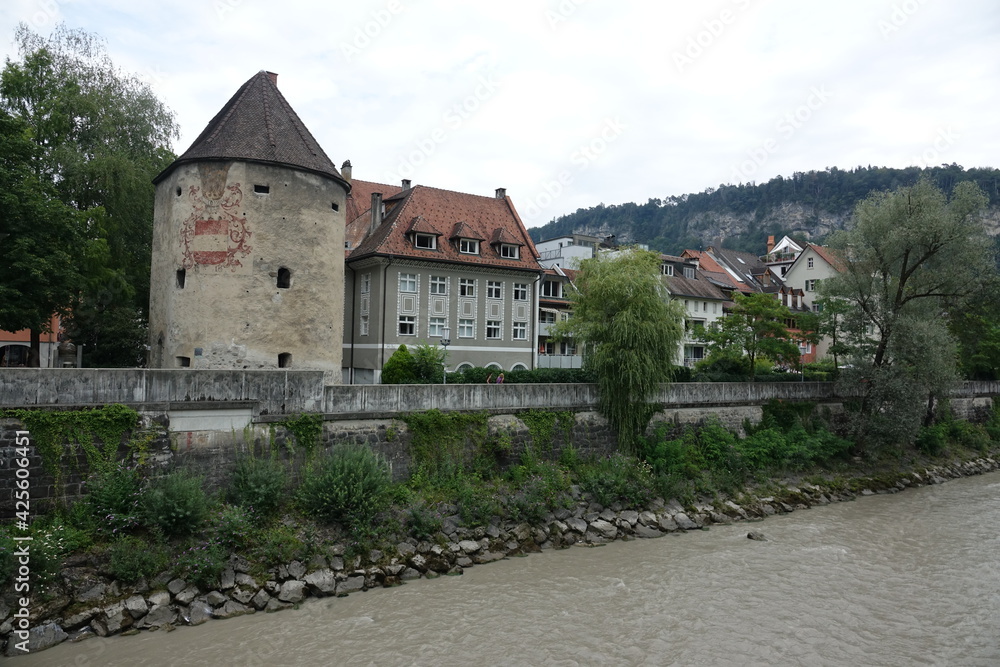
column 967, row 434
column 202, row 563
column 423, row 522
column 8, row 561
column 131, row 559
column 992, row 425
column 113, row 496
column 932, row 440
column 350, row 485
column 618, row 478
column 477, row 502
column 399, row 369
column 175, row 504
column 235, row 527
column 276, row 545
column 258, row 484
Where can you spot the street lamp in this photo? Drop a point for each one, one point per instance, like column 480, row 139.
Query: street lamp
column 445, row 342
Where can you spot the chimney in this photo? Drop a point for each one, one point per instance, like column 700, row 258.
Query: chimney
column 273, row 77
column 345, row 170
column 501, row 193
column 376, row 212
column 406, row 184
column 770, row 244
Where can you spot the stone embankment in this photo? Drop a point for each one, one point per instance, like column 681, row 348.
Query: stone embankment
column 92, row 605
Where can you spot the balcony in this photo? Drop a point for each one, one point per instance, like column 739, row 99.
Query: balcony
column 560, row 361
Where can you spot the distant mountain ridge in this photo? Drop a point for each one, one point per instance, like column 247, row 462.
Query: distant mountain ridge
column 807, row 205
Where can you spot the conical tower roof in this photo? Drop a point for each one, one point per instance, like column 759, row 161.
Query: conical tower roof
column 258, row 124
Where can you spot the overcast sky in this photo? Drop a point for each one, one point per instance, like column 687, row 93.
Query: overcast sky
column 570, row 103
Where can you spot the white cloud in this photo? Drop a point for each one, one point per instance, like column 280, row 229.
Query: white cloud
column 702, row 87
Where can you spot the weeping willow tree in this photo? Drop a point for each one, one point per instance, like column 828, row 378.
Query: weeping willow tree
column 630, row 332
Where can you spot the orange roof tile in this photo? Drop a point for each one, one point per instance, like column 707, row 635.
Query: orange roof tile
column 831, row 256
column 470, row 216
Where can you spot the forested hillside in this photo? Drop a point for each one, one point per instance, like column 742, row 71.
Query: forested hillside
column 807, row 205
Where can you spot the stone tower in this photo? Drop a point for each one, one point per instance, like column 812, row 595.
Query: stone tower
column 248, row 244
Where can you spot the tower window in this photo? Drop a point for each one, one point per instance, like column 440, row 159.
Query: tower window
column 178, row 191
column 181, row 276
column 284, row 360
column 335, row 206
column 184, row 362
column 284, row 278
column 261, row 189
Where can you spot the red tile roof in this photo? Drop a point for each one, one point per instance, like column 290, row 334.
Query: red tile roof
column 467, row 216
column 831, row 256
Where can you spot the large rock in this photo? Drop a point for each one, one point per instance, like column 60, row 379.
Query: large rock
column 577, row 525
column 230, row 609
column 115, row 618
column 296, row 569
column 189, row 593
column 198, row 613
column 136, row 606
column 216, row 599
column 322, row 581
column 350, row 585
column 261, row 600
column 82, row 617
column 684, row 521
column 176, row 586
column 468, row 546
column 603, row 528
column 292, row 591
column 159, row 616
column 647, row 531
column 159, row 598
column 39, row 638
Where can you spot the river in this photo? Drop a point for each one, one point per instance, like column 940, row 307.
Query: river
column 905, row 579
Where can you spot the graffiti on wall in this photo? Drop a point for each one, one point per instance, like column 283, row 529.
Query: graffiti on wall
column 215, row 234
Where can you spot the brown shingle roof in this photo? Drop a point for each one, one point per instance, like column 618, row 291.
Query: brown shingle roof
column 831, row 256
column 679, row 286
column 480, row 218
column 258, row 125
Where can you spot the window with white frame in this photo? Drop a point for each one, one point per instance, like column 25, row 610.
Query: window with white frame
column 366, row 283
column 407, row 282
column 510, row 251
column 552, row 288
column 407, row 325
column 810, row 262
column 494, row 289
column 811, row 285
column 667, row 269
column 468, row 246
column 439, row 285
column 520, row 291
column 547, row 317
column 467, row 328
column 435, row 327
column 493, row 328
column 689, row 272
column 425, row 241
column 520, row 331
column 466, row 287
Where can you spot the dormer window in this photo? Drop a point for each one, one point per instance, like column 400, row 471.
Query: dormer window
column 468, row 246
column 510, row 251
column 425, row 241
column 689, row 272
column 667, row 269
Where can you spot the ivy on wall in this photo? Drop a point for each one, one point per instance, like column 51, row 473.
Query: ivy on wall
column 60, row 435
column 307, row 430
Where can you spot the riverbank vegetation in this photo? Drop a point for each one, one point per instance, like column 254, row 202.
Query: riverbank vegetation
column 133, row 524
